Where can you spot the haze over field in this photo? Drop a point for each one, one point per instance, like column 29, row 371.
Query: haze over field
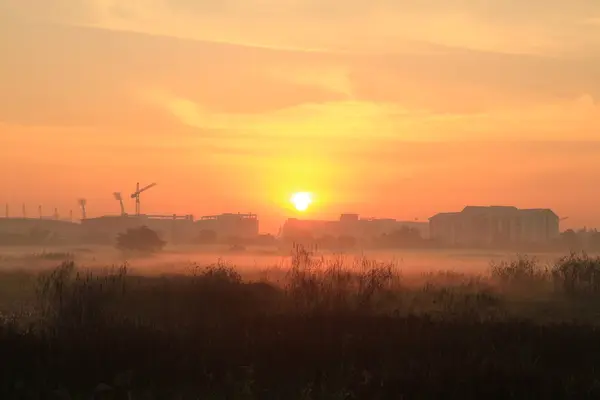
column 390, row 109
column 259, row 263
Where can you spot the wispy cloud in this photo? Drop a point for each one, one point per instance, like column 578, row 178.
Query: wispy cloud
column 361, row 119
column 95, row 77
column 318, row 120
column 510, row 26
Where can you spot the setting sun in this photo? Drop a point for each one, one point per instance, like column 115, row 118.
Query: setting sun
column 301, row 200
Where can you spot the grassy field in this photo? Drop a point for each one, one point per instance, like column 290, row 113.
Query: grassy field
column 312, row 327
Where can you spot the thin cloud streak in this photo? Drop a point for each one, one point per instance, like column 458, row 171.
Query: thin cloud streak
column 384, row 120
column 352, row 27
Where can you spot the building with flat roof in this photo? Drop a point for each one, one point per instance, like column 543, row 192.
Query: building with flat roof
column 348, row 225
column 171, row 228
column 494, row 225
column 38, row 230
column 229, row 225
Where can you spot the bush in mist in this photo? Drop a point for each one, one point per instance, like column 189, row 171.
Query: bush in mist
column 86, row 300
column 572, row 240
column 77, row 301
column 71, row 299
column 317, row 285
column 453, row 295
column 206, row 237
column 578, row 274
column 524, row 271
column 575, row 275
column 142, row 239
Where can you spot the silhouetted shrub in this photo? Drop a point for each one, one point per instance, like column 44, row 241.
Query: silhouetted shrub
column 595, row 241
column 571, row 240
column 71, row 300
column 207, row 237
column 316, row 285
column 142, row 239
column 524, row 271
column 578, row 274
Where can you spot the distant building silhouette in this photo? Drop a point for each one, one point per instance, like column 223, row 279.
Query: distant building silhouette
column 28, row 230
column 173, row 228
column 348, row 225
column 242, row 226
column 494, row 225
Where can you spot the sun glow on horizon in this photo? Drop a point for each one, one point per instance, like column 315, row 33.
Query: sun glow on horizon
column 301, row 200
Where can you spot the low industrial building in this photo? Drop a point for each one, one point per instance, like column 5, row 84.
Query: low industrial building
column 37, row 230
column 494, row 225
column 349, row 225
column 171, row 228
column 175, row 229
column 229, row 225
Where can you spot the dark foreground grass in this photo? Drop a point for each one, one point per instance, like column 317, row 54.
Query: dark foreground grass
column 293, row 357
column 327, row 333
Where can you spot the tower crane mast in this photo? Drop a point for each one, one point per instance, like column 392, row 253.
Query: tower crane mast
column 136, row 195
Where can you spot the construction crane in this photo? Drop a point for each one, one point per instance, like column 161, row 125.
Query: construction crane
column 136, row 195
column 119, row 198
column 82, row 204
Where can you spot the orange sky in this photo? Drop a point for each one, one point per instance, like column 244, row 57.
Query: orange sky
column 389, row 109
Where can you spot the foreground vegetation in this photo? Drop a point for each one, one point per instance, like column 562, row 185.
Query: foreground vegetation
column 332, row 329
